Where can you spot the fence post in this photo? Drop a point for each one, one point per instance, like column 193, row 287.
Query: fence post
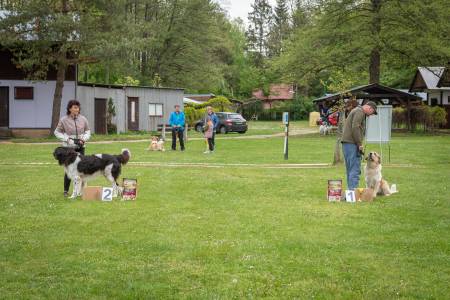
column 163, row 132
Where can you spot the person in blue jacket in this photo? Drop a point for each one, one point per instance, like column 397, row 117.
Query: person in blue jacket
column 211, row 115
column 176, row 121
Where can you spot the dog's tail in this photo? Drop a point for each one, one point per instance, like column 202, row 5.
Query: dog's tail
column 124, row 157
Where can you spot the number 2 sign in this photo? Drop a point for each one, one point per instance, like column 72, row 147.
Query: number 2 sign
column 107, row 194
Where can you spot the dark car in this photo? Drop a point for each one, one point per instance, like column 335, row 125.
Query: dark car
column 228, row 122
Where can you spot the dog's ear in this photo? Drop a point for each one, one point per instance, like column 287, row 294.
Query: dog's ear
column 379, row 158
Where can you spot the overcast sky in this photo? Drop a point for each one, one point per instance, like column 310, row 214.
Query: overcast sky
column 240, row 8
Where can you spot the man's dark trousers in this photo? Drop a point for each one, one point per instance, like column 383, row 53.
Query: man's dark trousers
column 180, row 131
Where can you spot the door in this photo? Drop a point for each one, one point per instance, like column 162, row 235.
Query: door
column 4, row 107
column 133, row 113
column 100, row 115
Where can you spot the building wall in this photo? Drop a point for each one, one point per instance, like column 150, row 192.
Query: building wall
column 445, row 98
column 441, row 96
column 167, row 97
column 87, row 94
column 36, row 113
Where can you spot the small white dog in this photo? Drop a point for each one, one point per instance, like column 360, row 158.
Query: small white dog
column 156, row 144
column 324, row 129
column 373, row 177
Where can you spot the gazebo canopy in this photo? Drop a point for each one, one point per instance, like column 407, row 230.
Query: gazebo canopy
column 374, row 92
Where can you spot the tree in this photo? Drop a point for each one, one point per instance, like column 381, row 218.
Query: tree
column 372, row 38
column 260, row 21
column 280, row 28
column 167, row 43
column 45, row 35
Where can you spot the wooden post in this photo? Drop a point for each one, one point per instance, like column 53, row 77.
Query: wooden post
column 163, row 132
column 408, row 112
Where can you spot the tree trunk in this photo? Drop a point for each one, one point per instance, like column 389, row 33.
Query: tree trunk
column 374, row 68
column 56, row 111
column 338, row 146
column 375, row 57
column 60, row 75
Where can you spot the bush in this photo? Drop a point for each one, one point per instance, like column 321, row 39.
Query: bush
column 111, row 128
column 252, row 109
column 298, row 109
column 193, row 114
column 399, row 117
column 422, row 117
column 438, row 116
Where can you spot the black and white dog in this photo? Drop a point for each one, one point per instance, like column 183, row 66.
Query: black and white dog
column 81, row 168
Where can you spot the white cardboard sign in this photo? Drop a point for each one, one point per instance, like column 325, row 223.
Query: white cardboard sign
column 350, row 196
column 107, row 194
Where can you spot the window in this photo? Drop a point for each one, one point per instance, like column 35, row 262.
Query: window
column 434, row 101
column 155, row 110
column 23, row 93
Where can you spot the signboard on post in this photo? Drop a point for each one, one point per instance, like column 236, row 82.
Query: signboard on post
column 286, row 133
column 286, row 118
column 378, row 127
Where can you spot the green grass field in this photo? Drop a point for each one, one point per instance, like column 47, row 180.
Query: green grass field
column 225, row 230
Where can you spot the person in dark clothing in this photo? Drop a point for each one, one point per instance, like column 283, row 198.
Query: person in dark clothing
column 176, row 121
column 352, row 139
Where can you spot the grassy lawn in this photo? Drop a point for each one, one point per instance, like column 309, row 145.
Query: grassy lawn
column 228, row 231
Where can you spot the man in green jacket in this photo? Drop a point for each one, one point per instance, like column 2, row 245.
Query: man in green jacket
column 352, row 139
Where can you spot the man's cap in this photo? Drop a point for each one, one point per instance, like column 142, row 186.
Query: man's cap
column 374, row 106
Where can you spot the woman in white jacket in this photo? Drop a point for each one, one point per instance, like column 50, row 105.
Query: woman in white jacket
column 73, row 130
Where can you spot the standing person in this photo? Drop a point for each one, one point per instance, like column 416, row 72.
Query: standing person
column 73, row 131
column 176, row 120
column 209, row 131
column 211, row 115
column 352, row 138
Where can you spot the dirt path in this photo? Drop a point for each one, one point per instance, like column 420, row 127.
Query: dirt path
column 294, row 132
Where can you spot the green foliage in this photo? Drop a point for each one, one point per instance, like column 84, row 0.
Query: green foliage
column 299, row 109
column 344, row 34
column 251, row 110
column 127, row 80
column 220, row 103
column 193, row 114
column 438, row 116
column 399, row 117
column 423, row 117
column 260, row 22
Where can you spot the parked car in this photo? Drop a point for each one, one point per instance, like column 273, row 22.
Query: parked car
column 228, row 122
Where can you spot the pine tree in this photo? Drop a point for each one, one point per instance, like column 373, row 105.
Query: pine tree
column 260, row 21
column 280, row 29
